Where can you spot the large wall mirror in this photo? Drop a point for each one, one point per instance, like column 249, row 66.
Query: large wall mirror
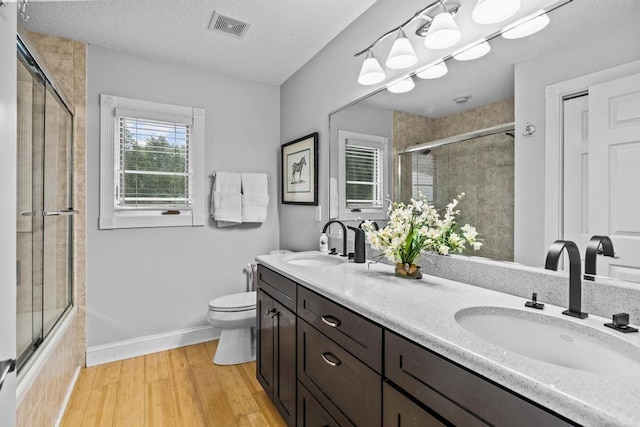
column 437, row 143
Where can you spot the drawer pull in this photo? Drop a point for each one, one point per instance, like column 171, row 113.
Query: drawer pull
column 330, row 359
column 331, row 321
column 271, row 312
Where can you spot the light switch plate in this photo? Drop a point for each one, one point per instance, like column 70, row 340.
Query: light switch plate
column 318, row 213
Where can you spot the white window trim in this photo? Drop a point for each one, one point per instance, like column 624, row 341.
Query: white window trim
column 343, row 212
column 110, row 217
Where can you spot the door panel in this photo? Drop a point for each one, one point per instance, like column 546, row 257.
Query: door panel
column 614, row 145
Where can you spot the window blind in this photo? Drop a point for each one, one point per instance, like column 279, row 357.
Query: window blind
column 364, row 176
column 153, row 167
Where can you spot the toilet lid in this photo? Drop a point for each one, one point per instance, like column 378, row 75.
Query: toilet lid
column 242, row 301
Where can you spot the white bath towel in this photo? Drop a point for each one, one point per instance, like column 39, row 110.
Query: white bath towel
column 226, row 199
column 255, row 197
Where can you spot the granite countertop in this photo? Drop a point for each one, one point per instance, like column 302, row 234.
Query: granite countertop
column 424, row 312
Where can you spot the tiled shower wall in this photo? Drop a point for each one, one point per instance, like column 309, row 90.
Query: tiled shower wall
column 40, row 404
column 481, row 168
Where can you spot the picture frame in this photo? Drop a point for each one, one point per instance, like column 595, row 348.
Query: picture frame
column 299, row 172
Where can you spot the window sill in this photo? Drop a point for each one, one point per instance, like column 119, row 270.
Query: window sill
column 150, row 219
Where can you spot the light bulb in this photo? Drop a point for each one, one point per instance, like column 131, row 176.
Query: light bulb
column 526, row 26
column 443, row 32
column 434, row 71
column 493, row 11
column 402, row 86
column 402, row 54
column 371, row 72
column 473, row 51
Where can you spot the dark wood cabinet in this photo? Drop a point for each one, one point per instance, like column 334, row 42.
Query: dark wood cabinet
column 276, row 347
column 457, row 394
column 312, row 414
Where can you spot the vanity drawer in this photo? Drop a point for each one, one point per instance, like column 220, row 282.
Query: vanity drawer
column 340, row 382
column 458, row 395
column 312, row 414
column 279, row 287
column 400, row 411
column 359, row 336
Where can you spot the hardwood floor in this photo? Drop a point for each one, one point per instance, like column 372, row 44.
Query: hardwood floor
column 179, row 387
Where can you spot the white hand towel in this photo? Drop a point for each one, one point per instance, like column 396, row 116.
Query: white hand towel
column 226, row 200
column 255, row 197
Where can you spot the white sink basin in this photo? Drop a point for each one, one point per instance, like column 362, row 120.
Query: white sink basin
column 314, row 260
column 552, row 340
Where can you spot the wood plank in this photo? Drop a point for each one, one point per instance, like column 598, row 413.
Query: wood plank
column 198, row 353
column 130, row 399
column 269, row 411
column 158, row 404
column 79, row 398
column 156, row 367
column 101, row 406
column 187, row 409
column 215, row 405
column 248, row 372
column 237, row 392
column 109, row 373
column 255, row 419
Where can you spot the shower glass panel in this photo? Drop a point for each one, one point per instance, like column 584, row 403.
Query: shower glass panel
column 44, row 200
column 482, row 168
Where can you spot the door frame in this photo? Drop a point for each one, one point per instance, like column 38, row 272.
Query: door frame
column 554, row 160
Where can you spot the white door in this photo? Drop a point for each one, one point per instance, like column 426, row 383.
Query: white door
column 576, row 171
column 614, row 177
column 8, row 85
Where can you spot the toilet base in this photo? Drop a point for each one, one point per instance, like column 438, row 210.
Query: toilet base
column 235, row 346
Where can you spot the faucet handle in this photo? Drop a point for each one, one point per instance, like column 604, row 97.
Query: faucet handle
column 621, row 323
column 534, row 302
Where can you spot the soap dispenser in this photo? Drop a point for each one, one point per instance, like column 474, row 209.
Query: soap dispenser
column 324, row 242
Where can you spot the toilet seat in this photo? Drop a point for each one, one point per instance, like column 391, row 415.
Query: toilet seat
column 243, row 301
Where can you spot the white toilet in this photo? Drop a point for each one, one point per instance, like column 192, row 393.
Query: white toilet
column 235, row 315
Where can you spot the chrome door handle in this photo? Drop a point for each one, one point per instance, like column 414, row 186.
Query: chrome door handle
column 331, row 321
column 64, row 212
column 6, row 366
column 330, row 359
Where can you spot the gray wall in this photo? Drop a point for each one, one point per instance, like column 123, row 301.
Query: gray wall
column 8, row 135
column 148, row 281
column 326, row 83
column 587, row 56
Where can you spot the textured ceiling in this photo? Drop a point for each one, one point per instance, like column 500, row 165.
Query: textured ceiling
column 283, row 36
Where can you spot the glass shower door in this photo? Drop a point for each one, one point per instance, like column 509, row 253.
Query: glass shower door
column 44, row 213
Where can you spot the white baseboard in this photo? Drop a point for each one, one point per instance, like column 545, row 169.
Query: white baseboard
column 67, row 397
column 99, row 354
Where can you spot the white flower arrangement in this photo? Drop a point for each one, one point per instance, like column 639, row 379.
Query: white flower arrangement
column 417, row 227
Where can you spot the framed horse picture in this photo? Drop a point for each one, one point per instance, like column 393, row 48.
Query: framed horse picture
column 300, row 171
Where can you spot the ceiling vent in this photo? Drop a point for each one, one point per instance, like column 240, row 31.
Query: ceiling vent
column 227, row 25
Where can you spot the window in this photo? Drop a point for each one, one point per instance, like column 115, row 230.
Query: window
column 363, row 175
column 151, row 164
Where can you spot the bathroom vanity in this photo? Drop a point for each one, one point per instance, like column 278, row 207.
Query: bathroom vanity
column 351, row 344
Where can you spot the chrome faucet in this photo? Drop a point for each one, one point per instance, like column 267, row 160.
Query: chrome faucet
column 359, row 249
column 575, row 276
column 597, row 245
column 344, row 234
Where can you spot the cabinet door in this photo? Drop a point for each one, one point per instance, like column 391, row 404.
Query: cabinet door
column 312, row 414
column 399, row 411
column 284, row 390
column 264, row 345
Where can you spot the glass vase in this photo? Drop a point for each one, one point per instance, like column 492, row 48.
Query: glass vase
column 408, row 271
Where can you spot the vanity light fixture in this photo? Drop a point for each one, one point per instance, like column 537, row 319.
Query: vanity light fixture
column 433, row 71
column 526, row 26
column 439, row 32
column 493, row 11
column 371, row 72
column 402, row 54
column 402, row 86
column 473, row 51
